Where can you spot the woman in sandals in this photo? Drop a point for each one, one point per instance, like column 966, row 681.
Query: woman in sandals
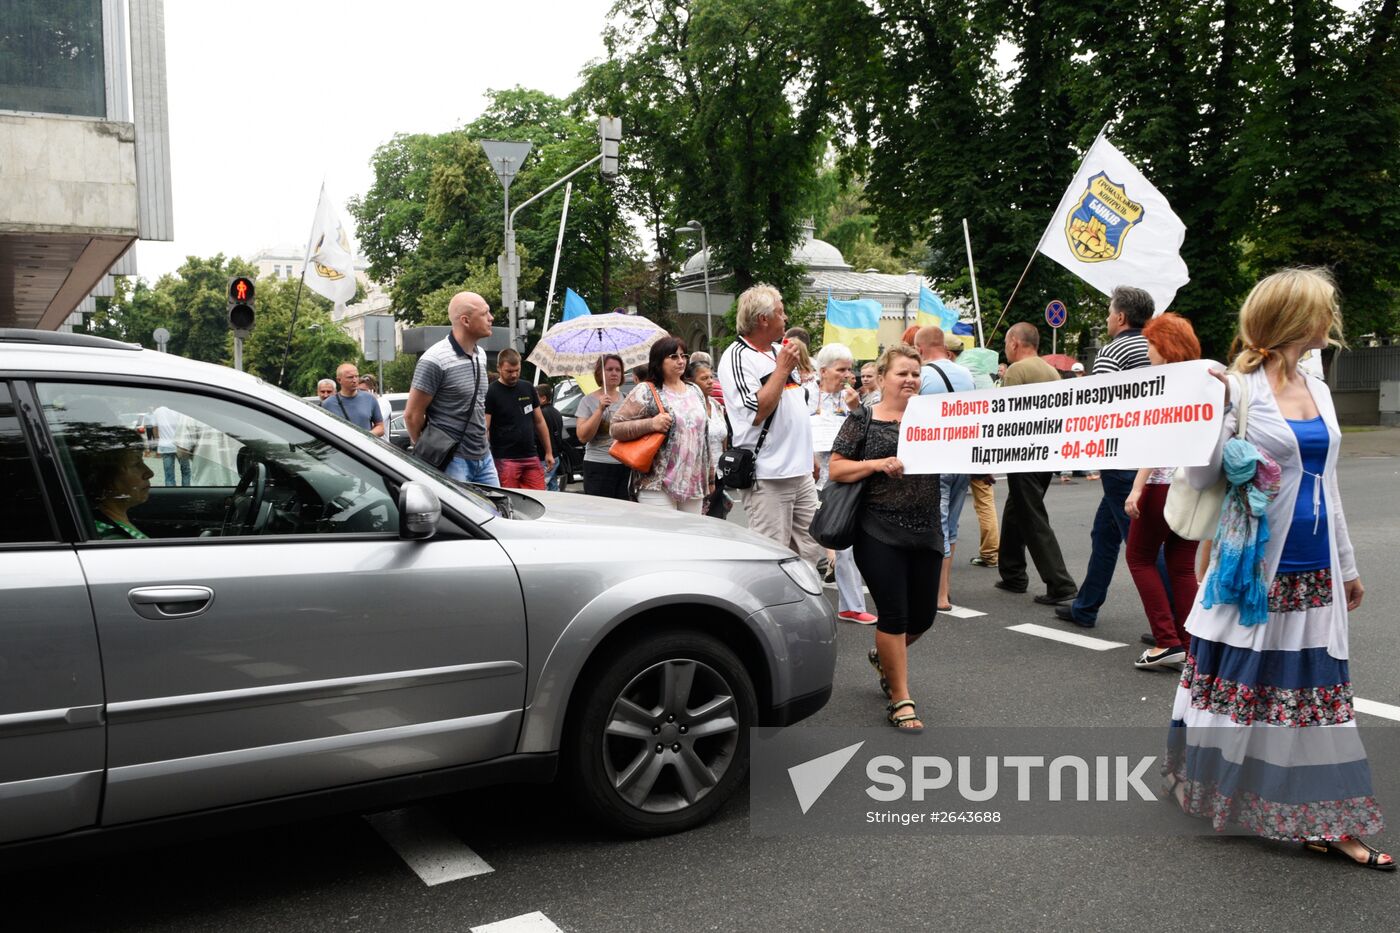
column 663, row 402
column 899, row 541
column 1269, row 740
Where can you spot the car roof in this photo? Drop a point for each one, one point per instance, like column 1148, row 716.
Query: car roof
column 87, row 355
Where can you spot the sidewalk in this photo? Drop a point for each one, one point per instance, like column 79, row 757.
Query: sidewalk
column 1371, row 442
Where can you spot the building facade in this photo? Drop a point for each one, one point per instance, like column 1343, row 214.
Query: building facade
column 827, row 273
column 84, row 152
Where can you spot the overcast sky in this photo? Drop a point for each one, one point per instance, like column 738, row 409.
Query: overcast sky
column 269, row 98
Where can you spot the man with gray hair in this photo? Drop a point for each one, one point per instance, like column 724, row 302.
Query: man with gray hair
column 768, row 412
column 449, row 389
column 325, row 389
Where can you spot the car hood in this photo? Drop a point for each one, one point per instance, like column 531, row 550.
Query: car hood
column 613, row 520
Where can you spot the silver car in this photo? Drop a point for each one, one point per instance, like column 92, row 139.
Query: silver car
column 270, row 611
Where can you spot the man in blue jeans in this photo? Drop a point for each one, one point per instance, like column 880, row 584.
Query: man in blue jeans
column 449, row 389
column 1129, row 309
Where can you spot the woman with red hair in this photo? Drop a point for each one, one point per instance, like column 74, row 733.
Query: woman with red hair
column 1170, row 339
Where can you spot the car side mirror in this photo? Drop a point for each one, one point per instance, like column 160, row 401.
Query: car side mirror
column 419, row 511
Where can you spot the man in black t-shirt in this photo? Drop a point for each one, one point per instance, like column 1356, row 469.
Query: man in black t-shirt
column 516, row 428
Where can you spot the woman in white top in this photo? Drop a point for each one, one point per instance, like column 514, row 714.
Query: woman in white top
column 1269, row 740
column 833, row 397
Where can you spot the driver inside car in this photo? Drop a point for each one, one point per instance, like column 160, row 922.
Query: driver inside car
column 117, row 480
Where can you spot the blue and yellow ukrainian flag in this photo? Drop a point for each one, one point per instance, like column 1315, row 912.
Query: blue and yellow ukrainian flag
column 856, row 323
column 932, row 311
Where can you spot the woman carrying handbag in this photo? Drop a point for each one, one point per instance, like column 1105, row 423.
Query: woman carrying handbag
column 898, row 537
column 678, row 476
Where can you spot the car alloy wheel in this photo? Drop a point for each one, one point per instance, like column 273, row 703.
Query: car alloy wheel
column 660, row 738
column 670, row 736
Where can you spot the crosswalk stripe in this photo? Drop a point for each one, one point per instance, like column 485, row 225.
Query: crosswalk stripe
column 434, row 853
column 961, row 612
column 1373, row 708
column 535, row 922
column 1069, row 638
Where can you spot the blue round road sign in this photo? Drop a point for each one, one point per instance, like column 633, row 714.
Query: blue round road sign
column 1056, row 314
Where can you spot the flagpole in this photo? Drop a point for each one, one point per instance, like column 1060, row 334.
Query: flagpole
column 972, row 271
column 287, row 349
column 554, row 275
column 1036, row 251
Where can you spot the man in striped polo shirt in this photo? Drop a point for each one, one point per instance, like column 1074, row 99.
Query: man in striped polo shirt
column 1129, row 309
column 449, row 389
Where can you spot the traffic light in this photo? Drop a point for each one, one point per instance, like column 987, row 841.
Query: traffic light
column 240, row 305
column 610, row 135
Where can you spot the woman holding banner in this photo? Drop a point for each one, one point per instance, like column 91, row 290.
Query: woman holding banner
column 1170, row 339
column 1270, row 739
column 899, row 542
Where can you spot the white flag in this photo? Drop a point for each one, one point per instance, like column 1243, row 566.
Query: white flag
column 330, row 262
column 1113, row 228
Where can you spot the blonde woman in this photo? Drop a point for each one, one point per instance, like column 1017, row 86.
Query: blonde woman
column 899, row 542
column 1266, row 684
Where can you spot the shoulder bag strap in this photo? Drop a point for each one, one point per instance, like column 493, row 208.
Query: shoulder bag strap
column 942, row 375
column 1242, row 403
column 341, row 402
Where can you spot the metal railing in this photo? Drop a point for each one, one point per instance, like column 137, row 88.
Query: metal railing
column 1364, row 368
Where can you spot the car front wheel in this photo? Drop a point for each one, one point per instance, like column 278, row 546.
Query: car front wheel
column 661, row 737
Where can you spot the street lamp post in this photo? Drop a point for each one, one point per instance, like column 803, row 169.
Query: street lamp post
column 692, row 227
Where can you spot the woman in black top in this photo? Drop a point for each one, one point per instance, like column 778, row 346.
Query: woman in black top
column 899, row 541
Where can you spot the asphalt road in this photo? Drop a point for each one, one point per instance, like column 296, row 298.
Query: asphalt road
column 340, row 874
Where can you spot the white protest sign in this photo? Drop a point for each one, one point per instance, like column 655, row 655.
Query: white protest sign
column 1159, row 416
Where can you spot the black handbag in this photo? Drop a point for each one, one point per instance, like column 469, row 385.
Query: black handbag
column 838, row 506
column 738, row 466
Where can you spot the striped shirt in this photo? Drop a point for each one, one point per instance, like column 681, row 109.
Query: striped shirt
column 787, row 450
column 452, row 377
column 1126, row 351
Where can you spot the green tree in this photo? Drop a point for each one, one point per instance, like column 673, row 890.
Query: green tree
column 318, row 345
column 734, row 99
column 132, row 314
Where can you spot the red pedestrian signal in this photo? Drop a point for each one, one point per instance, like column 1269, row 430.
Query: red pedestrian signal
column 240, row 305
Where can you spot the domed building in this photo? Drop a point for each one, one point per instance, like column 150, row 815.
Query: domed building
column 827, row 273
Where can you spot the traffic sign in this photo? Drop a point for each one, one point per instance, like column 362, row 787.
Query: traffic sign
column 1056, row 314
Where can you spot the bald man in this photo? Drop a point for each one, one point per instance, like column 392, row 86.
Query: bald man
column 1025, row 526
column 449, row 391
column 359, row 408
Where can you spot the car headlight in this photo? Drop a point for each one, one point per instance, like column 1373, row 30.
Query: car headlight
column 803, row 574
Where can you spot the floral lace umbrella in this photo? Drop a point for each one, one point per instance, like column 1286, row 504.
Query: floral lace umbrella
column 572, row 347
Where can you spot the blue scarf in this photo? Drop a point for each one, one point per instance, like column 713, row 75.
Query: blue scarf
column 1237, row 575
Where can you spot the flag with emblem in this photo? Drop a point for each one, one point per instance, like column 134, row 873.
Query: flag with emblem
column 856, row 323
column 330, row 260
column 1114, row 228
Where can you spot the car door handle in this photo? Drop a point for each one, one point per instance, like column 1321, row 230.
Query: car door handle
column 170, row 602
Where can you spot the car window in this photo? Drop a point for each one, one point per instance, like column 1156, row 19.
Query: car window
column 189, row 465
column 570, row 405
column 27, row 518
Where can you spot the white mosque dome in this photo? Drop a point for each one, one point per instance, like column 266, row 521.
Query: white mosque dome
column 812, row 254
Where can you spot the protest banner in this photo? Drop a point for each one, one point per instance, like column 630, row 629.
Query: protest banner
column 1160, row 416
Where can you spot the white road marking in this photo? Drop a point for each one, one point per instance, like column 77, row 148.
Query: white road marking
column 1373, row 708
column 525, row 923
column 961, row 612
column 832, row 586
column 1069, row 638
column 435, row 854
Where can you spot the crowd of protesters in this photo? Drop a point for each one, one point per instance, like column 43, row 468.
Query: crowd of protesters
column 810, row 419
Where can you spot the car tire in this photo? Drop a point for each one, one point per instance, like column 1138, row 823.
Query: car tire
column 630, row 706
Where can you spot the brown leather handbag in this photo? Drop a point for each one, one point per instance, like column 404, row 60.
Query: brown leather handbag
column 639, row 452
